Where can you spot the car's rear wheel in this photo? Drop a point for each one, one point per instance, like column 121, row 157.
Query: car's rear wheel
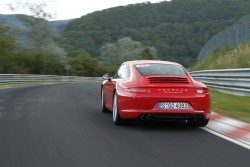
column 104, row 109
column 198, row 123
column 116, row 115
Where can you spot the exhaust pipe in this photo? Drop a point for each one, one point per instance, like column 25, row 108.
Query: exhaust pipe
column 149, row 117
column 197, row 118
column 143, row 117
column 146, row 117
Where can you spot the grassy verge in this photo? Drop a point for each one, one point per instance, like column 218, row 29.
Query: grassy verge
column 4, row 86
column 236, row 57
column 237, row 107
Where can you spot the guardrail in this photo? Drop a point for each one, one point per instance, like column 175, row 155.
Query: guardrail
column 24, row 78
column 232, row 81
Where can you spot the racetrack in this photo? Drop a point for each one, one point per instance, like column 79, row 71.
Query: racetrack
column 62, row 126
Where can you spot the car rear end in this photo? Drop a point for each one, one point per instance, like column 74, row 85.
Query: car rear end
column 174, row 96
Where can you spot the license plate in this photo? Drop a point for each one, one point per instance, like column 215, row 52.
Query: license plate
column 173, row 105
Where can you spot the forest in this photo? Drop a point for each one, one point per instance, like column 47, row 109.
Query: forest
column 98, row 42
column 177, row 29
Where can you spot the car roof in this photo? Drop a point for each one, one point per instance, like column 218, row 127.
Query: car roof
column 135, row 62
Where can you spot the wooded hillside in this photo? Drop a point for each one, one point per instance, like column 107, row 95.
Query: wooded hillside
column 177, row 29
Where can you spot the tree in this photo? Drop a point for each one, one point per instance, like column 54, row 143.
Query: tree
column 36, row 8
column 125, row 49
column 42, row 35
column 85, row 65
column 6, row 50
column 25, row 61
column 146, row 54
column 6, row 41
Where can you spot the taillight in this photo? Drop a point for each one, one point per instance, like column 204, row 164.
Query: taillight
column 202, row 90
column 136, row 90
column 131, row 92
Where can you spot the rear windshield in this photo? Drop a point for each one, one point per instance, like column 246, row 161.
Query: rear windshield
column 160, row 69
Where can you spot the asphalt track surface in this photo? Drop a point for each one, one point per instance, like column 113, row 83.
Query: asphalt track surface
column 63, row 126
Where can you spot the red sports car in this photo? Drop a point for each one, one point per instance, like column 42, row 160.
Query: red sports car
column 155, row 90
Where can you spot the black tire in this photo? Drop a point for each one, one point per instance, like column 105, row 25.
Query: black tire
column 104, row 109
column 198, row 123
column 116, row 115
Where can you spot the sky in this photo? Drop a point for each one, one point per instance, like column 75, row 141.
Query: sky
column 68, row 9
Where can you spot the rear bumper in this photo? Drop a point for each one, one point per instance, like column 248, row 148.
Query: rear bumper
column 163, row 115
column 138, row 107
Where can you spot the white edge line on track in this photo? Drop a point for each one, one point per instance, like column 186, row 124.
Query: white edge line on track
column 227, row 138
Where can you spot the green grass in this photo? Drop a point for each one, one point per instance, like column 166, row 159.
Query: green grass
column 237, row 107
column 5, row 86
column 236, row 57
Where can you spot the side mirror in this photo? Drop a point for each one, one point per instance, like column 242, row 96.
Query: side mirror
column 106, row 77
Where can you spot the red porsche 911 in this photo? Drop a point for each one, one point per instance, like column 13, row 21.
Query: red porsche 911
column 155, row 90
